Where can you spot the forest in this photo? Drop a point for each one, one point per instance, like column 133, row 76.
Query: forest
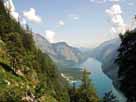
column 29, row 75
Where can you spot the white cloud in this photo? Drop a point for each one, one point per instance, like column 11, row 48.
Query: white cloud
column 74, row 16
column 98, row 1
column 23, row 22
column 15, row 15
column 103, row 1
column 61, row 23
column 50, row 35
column 118, row 20
column 114, row 0
column 115, row 12
column 113, row 30
column 32, row 16
column 10, row 6
column 92, row 0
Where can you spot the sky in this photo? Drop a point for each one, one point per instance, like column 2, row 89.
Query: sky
column 80, row 23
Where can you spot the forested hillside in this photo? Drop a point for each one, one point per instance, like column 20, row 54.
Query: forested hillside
column 26, row 73
column 127, row 65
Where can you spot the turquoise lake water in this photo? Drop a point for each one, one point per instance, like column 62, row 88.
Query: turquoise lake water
column 101, row 82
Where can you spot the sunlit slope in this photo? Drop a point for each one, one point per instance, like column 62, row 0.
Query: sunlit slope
column 26, row 72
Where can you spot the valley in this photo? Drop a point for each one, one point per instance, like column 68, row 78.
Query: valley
column 41, row 58
column 98, row 61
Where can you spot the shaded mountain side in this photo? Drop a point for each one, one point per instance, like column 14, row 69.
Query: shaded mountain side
column 106, row 53
column 43, row 44
column 60, row 52
column 64, row 51
column 66, row 56
column 25, row 72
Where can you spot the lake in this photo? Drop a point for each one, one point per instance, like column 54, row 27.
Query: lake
column 101, row 82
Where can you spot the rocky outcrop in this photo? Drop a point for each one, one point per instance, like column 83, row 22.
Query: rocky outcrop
column 60, row 52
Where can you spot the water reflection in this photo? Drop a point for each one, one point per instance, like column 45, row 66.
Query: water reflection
column 101, row 82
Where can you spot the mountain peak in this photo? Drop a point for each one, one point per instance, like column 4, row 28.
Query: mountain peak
column 61, row 43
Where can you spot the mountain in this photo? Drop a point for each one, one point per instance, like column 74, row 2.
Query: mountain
column 26, row 73
column 60, row 52
column 43, row 44
column 64, row 51
column 106, row 53
column 68, row 57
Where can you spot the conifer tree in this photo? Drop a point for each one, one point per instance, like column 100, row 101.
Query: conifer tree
column 109, row 97
column 127, row 65
column 86, row 91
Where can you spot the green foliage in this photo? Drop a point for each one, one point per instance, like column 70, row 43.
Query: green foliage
column 40, row 90
column 28, row 42
column 3, row 53
column 25, row 68
column 109, row 97
column 127, row 65
column 86, row 92
column 48, row 98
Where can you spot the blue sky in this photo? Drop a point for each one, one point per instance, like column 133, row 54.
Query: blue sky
column 78, row 22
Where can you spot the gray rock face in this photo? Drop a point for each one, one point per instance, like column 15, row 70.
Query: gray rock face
column 107, row 53
column 67, row 52
column 43, row 44
column 62, row 53
column 59, row 52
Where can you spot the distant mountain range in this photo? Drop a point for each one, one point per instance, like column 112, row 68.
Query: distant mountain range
column 68, row 56
column 106, row 53
column 60, row 52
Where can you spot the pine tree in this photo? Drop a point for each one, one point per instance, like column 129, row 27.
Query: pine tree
column 109, row 97
column 86, row 91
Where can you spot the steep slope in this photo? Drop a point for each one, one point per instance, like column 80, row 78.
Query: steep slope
column 25, row 72
column 127, row 65
column 65, row 55
column 107, row 53
column 64, row 51
column 60, row 52
column 43, row 44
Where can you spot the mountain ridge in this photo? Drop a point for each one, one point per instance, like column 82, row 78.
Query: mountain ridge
column 106, row 53
column 60, row 50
